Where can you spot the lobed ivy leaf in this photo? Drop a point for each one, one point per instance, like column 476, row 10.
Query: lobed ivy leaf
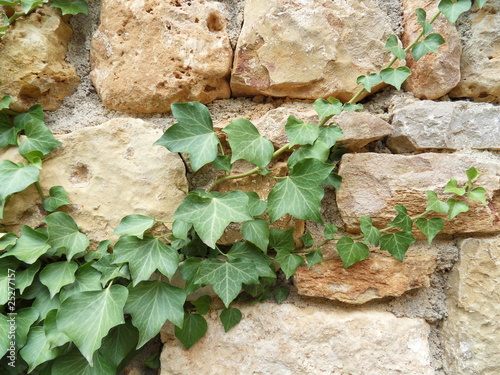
column 7, row 240
column 54, row 336
column 29, row 247
column 349, row 107
column 395, row 77
column 456, row 208
column 230, row 317
column 39, row 138
column 477, row 194
column 300, row 193
column 8, row 133
column 288, row 262
column 202, row 304
column 25, row 318
column 34, row 114
column 314, row 257
column 71, row 6
column 421, row 19
column 37, row 349
column 300, row 132
column 6, row 99
column 246, row 250
column 101, row 251
column 281, row 293
column 25, row 278
column 43, row 303
column 247, row 143
column 330, row 134
column 134, row 225
column 57, row 198
column 4, row 335
column 329, row 231
column 392, row 45
column 29, row 5
column 472, row 173
column 397, row 243
column 256, row 206
column 372, row 234
column 369, row 81
column 193, row 134
column 87, row 278
column 307, row 239
column 434, row 204
column 222, row 162
column 333, row 179
column 452, row 187
column 75, row 364
column 327, row 109
column 257, row 232
column 430, row 227
column 281, row 239
column 64, row 234
column 480, row 3
column 319, row 150
column 56, row 275
column 111, row 271
column 351, row 252
column 193, row 329
column 402, row 220
column 429, row 45
column 180, row 229
column 452, row 9
column 119, row 344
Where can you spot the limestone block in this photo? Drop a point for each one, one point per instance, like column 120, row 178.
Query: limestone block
column 308, row 48
column 109, row 171
column 149, row 54
column 34, row 70
column 288, row 339
column 435, row 74
column 446, row 125
column 471, row 332
column 480, row 64
column 372, row 184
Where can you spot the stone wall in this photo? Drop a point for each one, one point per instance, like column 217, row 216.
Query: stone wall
column 109, row 79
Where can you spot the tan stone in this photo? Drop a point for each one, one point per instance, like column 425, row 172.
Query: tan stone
column 289, row 339
column 377, row 277
column 372, row 184
column 149, row 54
column 471, row 333
column 34, row 70
column 308, row 48
column 109, row 171
column 435, row 74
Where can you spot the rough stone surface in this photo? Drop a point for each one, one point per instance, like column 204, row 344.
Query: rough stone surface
column 308, row 48
column 288, row 339
column 376, row 277
column 147, row 55
column 109, row 171
column 445, row 125
column 372, row 184
column 435, row 74
column 480, row 64
column 34, row 70
column 472, row 331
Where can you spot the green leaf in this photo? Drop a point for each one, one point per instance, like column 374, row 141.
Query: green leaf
column 211, row 215
column 348, row 107
column 39, row 138
column 222, row 162
column 230, row 317
column 29, row 5
column 4, row 335
column 434, row 204
column 25, row 278
column 429, row 45
column 402, row 220
column 288, row 262
column 351, row 252
column 43, row 303
column 153, row 362
column 257, row 232
column 6, row 99
column 307, row 239
column 281, row 239
column 7, row 240
column 87, row 278
column 194, row 134
column 16, row 177
column 56, row 275
column 34, row 114
column 477, row 194
column 75, row 364
column 29, row 247
column 333, row 179
column 456, row 208
column 452, row 187
column 392, row 45
column 101, row 251
column 226, row 277
column 329, row 231
column 64, row 234
column 58, row 198
column 37, row 349
column 319, row 150
column 150, row 304
column 330, row 134
column 327, row 109
column 194, row 328
column 111, row 271
column 421, row 19
column 246, row 250
column 480, row 3
column 300, row 193
column 134, row 225
column 452, row 9
column 119, row 344
column 145, row 256
column 369, row 81
column 25, row 318
column 180, row 229
column 87, row 317
column 8, row 133
column 54, row 336
column 372, row 234
column 430, row 227
column 281, row 293
column 300, row 132
column 246, row 143
column 203, row 304
column 256, row 206
column 71, row 6
column 472, row 173
column 397, row 243
column 395, row 77
column 314, row 257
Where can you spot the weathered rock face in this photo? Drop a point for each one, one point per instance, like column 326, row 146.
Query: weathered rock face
column 433, row 75
column 372, row 184
column 287, row 339
column 308, row 48
column 109, row 171
column 472, row 331
column 34, row 70
column 147, row 55
column 449, row 125
column 481, row 55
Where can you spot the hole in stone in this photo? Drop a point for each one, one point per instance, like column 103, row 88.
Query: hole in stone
column 29, row 92
column 483, row 94
column 209, row 88
column 177, row 75
column 214, row 23
column 177, row 4
column 80, row 175
column 196, row 20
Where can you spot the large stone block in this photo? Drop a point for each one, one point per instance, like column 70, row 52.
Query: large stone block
column 471, row 333
column 288, row 339
column 149, row 54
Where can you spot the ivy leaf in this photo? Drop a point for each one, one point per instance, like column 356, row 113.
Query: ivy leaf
column 257, row 232
column 71, row 6
column 395, row 77
column 330, row 134
column 314, row 257
column 300, row 193
column 392, row 45
column 333, row 179
column 402, row 220
column 25, row 318
column 288, row 262
column 180, row 229
column 37, row 349
column 7, row 240
column 43, row 303
column 397, row 243
column 16, row 177
column 329, row 231
column 307, row 239
column 421, row 19
column 151, row 303
column 477, row 194
column 369, row 81
column 351, row 252
column 246, row 143
column 8, row 133
column 58, row 198
column 28, row 5
column 54, row 336
column 480, row 3
column 222, row 162
column 452, row 9
column 256, row 206
column 281, row 293
column 300, row 132
column 87, row 278
column 111, row 271
column 429, row 45
column 319, row 150
column 211, row 215
column 134, row 225
column 25, row 278
column 281, row 239
column 88, row 316
column 6, row 99
column 56, row 275
column 434, row 204
column 456, row 208
column 39, row 138
column 349, row 107
column 29, row 247
column 193, row 134
column 101, row 251
column 230, row 317
column 452, row 187
column 75, row 364
column 372, row 234
column 472, row 173
column 4, row 335
column 64, row 234
column 35, row 114
column 226, row 278
column 203, row 304
column 430, row 227
column 193, row 329
column 119, row 344
column 327, row 109
column 246, row 250
column 145, row 256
